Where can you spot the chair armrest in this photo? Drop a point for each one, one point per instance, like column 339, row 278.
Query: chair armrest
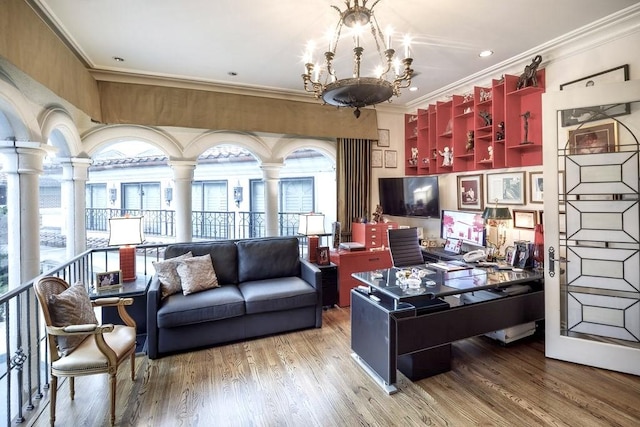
column 111, row 302
column 90, row 328
column 310, row 273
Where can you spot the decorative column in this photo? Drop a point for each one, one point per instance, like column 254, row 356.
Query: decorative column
column 271, row 177
column 182, row 198
column 23, row 166
column 74, row 179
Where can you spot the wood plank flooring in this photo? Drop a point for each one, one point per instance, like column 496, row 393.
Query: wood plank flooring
column 308, row 378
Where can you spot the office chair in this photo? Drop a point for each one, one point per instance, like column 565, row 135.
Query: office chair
column 405, row 247
column 78, row 344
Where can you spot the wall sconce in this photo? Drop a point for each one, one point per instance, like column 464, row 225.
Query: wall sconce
column 168, row 195
column 113, row 194
column 237, row 194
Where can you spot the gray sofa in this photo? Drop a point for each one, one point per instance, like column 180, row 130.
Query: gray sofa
column 266, row 288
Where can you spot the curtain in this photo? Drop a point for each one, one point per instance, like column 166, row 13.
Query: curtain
column 353, row 178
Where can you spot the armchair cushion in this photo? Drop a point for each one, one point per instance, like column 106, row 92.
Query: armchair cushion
column 197, row 274
column 170, row 282
column 71, row 307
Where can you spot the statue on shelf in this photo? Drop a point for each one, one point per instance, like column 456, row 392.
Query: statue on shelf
column 486, row 116
column 377, row 215
column 447, row 156
column 413, row 161
column 525, row 117
column 500, row 132
column 490, row 151
column 529, row 77
column 470, row 141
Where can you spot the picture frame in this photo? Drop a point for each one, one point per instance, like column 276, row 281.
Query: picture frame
column 470, row 192
column 506, row 188
column 390, row 159
column 384, row 139
column 108, row 280
column 376, row 158
column 536, row 187
column 323, row 255
column 577, row 116
column 524, row 219
column 594, row 139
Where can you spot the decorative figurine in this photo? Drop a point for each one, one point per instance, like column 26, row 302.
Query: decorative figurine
column 377, row 215
column 500, row 132
column 413, row 161
column 486, row 116
column 470, row 141
column 490, row 151
column 529, row 77
column 525, row 117
column 434, row 153
column 447, row 156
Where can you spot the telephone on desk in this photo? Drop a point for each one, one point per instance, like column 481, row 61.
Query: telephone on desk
column 475, row 256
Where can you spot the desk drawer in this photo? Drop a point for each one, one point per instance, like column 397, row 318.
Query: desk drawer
column 354, row 262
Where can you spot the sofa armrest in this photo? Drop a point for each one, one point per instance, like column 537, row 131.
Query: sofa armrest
column 154, row 297
column 311, row 274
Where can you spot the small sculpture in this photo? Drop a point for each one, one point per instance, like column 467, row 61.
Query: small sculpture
column 377, row 215
column 529, row 77
column 500, row 132
column 486, row 116
column 447, row 156
column 490, row 150
column 525, row 117
column 470, row 141
column 434, row 153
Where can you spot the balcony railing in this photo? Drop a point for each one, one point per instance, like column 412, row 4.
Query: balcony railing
column 206, row 224
column 24, row 355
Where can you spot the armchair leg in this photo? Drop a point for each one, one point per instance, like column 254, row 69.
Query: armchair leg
column 72, row 387
column 112, row 385
column 52, row 400
column 133, row 366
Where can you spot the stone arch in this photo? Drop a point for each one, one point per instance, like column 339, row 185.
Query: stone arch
column 58, row 128
column 102, row 136
column 256, row 146
column 17, row 121
column 286, row 146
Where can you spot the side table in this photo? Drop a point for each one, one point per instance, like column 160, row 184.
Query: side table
column 329, row 284
column 137, row 290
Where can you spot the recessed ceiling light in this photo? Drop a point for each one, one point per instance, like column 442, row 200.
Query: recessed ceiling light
column 485, row 53
column 118, row 59
column 413, row 88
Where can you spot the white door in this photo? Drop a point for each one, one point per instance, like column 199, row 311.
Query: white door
column 592, row 225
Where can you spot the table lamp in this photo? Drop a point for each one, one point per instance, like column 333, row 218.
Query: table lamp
column 311, row 225
column 126, row 232
column 499, row 215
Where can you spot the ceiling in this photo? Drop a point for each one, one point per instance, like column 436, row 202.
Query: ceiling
column 263, row 41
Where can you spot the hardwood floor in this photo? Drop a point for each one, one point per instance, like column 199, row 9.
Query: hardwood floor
column 308, row 378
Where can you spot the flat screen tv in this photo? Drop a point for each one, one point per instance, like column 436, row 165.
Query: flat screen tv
column 410, row 196
column 466, row 226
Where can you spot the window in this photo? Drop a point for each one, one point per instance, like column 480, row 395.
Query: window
column 209, row 196
column 96, row 195
column 141, row 196
column 296, row 195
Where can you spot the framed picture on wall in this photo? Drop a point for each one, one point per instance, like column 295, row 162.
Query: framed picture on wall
column 594, row 139
column 376, row 158
column 524, row 219
column 470, row 193
column 535, row 187
column 383, row 138
column 390, row 159
column 506, row 188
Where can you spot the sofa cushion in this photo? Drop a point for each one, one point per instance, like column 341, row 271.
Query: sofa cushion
column 283, row 293
column 268, row 258
column 197, row 274
column 223, row 255
column 167, row 272
column 213, row 304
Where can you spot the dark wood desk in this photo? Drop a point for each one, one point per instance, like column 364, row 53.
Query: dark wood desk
column 394, row 327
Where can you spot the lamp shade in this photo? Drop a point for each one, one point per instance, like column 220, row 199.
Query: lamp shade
column 496, row 213
column 311, row 224
column 125, row 230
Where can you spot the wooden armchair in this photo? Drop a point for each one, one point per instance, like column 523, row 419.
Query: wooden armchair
column 78, row 344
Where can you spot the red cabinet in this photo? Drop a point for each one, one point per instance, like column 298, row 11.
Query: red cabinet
column 354, row 262
column 372, row 235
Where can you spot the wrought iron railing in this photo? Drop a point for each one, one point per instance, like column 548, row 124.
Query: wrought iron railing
column 24, row 355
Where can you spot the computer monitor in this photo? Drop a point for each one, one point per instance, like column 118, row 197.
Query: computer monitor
column 466, row 226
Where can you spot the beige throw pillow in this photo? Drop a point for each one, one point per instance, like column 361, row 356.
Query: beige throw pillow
column 71, row 307
column 197, row 274
column 170, row 282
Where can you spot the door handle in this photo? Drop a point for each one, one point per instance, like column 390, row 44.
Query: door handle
column 553, row 260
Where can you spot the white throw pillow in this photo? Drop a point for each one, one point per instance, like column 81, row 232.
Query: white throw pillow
column 170, row 282
column 197, row 274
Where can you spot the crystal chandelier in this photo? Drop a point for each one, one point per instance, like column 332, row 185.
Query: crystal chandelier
column 357, row 92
